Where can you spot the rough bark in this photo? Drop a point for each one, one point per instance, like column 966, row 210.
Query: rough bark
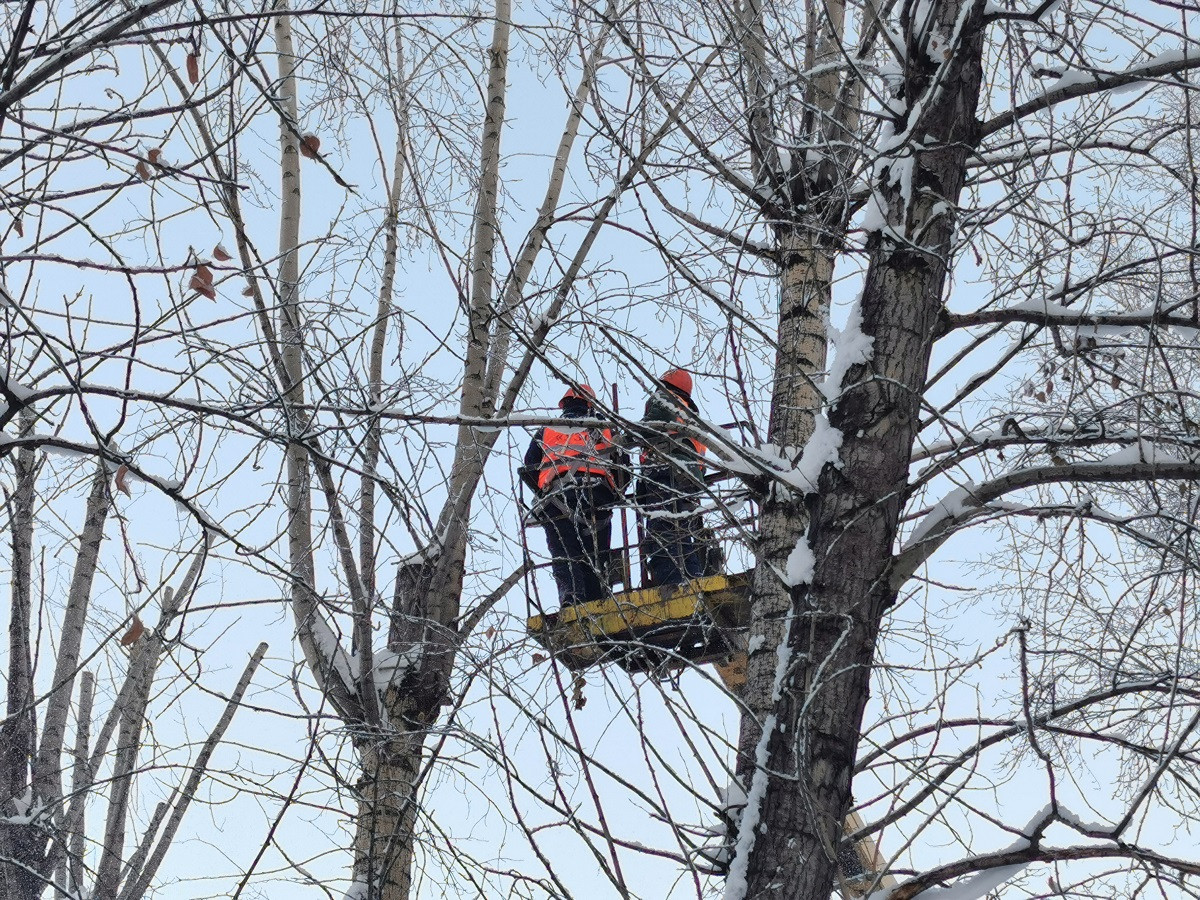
column 805, row 288
column 19, row 844
column 385, row 835
column 835, row 623
column 812, row 199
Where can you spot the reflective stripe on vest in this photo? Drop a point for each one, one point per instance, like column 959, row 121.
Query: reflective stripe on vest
column 574, row 450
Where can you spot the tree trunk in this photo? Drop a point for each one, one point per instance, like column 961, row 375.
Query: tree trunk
column 20, row 844
column 806, row 281
column 802, row 782
column 48, row 772
column 813, row 199
column 429, row 593
column 290, row 326
column 386, row 828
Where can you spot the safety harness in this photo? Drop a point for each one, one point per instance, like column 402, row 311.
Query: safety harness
column 575, row 451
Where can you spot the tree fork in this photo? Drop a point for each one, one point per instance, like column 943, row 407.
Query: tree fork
column 826, row 667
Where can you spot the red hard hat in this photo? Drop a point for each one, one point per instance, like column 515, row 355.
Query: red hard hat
column 583, row 392
column 678, row 378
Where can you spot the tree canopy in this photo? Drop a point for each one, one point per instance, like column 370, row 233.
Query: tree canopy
column 286, row 287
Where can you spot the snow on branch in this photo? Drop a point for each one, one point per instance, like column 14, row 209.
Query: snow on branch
column 331, row 665
column 1143, row 461
column 851, row 348
column 1047, row 312
column 995, row 869
column 1017, row 433
column 1169, row 63
column 797, row 467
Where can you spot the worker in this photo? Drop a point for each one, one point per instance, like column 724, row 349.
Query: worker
column 578, row 476
column 675, row 544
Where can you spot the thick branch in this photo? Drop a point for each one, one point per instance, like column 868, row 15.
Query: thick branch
column 1101, row 82
column 970, row 502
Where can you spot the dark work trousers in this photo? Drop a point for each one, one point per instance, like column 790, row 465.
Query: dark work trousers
column 674, row 544
column 577, row 516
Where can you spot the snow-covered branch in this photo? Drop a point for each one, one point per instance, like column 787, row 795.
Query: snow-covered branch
column 1144, row 461
column 983, row 874
column 1161, row 66
column 1045, row 312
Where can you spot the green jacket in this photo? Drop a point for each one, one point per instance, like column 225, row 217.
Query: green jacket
column 666, row 448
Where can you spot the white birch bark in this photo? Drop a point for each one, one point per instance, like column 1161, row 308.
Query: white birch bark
column 140, row 876
column 143, row 664
column 48, row 783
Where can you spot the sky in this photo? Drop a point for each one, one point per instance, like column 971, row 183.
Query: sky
column 656, row 745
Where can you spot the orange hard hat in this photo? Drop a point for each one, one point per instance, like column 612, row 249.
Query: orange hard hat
column 583, row 392
column 679, row 379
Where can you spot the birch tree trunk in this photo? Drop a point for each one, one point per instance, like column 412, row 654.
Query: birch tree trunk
column 805, row 291
column 291, row 331
column 389, row 722
column 428, row 595
column 66, row 663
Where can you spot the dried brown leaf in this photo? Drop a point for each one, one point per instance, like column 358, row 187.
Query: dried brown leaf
column 193, row 68
column 220, row 254
column 122, row 480
column 142, row 169
column 136, row 630
column 202, row 287
column 309, row 145
column 204, row 273
column 538, row 658
column 154, row 155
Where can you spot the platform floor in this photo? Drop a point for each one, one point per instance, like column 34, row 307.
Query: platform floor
column 653, row 628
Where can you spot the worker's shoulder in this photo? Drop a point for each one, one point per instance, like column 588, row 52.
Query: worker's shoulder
column 660, row 408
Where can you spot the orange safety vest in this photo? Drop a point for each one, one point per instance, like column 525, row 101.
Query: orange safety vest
column 574, row 450
column 697, row 444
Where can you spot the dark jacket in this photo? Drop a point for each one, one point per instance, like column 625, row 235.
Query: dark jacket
column 669, row 447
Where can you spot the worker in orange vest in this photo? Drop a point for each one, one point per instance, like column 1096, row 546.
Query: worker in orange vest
column 578, row 476
column 669, row 486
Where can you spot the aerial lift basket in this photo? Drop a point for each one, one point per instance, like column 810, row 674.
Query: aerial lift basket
column 653, row 629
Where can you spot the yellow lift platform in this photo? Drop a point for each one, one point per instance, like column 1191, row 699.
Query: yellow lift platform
column 655, row 629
